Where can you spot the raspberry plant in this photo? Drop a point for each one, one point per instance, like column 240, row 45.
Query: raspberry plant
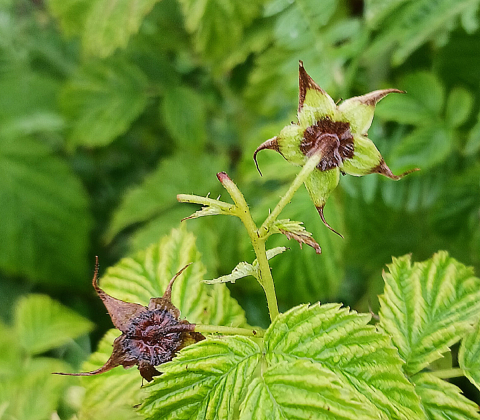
column 318, row 361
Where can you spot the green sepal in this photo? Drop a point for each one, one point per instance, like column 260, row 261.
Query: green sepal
column 289, row 141
column 358, row 111
column 366, row 157
column 320, row 184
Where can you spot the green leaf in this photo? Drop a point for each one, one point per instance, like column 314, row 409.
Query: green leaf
column 109, row 25
column 469, row 356
column 44, row 212
column 43, row 324
column 159, row 190
column 459, row 106
column 147, row 274
column 442, row 400
column 362, row 359
column 423, row 101
column 183, row 111
column 71, row 14
column 427, row 307
column 473, row 141
column 425, row 147
column 113, row 394
column 218, row 26
column 204, row 381
column 302, row 389
column 102, row 100
column 406, row 28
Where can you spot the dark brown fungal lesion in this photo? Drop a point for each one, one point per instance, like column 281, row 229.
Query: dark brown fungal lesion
column 151, row 335
column 332, row 138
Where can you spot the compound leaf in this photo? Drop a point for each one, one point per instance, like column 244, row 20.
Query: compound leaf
column 42, row 323
column 363, row 360
column 427, row 307
column 204, row 381
column 442, row 400
column 469, row 356
column 102, row 100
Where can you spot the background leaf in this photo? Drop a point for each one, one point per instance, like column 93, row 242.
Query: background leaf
column 469, row 356
column 43, row 324
column 427, row 307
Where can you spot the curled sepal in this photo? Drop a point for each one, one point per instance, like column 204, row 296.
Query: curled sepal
column 358, row 111
column 367, row 159
column 295, row 230
column 150, row 335
column 245, row 269
column 319, row 185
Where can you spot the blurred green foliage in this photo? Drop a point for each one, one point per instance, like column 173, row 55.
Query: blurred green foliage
column 108, row 110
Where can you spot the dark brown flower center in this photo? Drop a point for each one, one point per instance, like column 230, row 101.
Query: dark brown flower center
column 154, row 336
column 332, row 138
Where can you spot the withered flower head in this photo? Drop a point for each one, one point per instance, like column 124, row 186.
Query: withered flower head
column 339, row 133
column 150, row 335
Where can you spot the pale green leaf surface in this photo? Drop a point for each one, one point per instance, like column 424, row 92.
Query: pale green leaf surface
column 42, row 323
column 102, row 100
column 302, row 389
column 459, row 106
column 442, row 400
column 341, row 341
column 158, row 192
column 71, row 14
column 110, row 24
column 43, row 206
column 376, row 10
column 113, row 393
column 427, row 307
column 218, row 25
column 204, row 381
column 146, row 275
column 183, row 111
column 469, row 356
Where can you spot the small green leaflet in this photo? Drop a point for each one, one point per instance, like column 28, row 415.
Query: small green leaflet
column 442, row 400
column 42, row 324
column 469, row 356
column 427, row 307
column 245, row 269
column 318, row 362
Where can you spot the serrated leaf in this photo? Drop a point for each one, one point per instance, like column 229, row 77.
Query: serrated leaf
column 217, row 26
column 112, row 394
column 204, row 381
column 341, row 341
column 109, row 25
column 427, row 307
column 159, row 190
column 469, row 356
column 459, row 106
column 147, row 274
column 302, row 390
column 425, row 147
column 183, row 111
column 102, row 100
column 295, row 230
column 44, row 212
column 43, row 323
column 442, row 400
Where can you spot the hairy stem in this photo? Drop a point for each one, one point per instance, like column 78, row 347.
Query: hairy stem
column 243, row 213
column 307, row 169
column 217, row 329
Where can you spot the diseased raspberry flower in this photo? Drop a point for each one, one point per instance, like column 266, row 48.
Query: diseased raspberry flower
column 339, row 133
column 150, row 335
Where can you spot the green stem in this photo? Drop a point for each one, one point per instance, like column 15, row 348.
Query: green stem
column 243, row 213
column 307, row 169
column 188, row 198
column 217, row 329
column 448, row 373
